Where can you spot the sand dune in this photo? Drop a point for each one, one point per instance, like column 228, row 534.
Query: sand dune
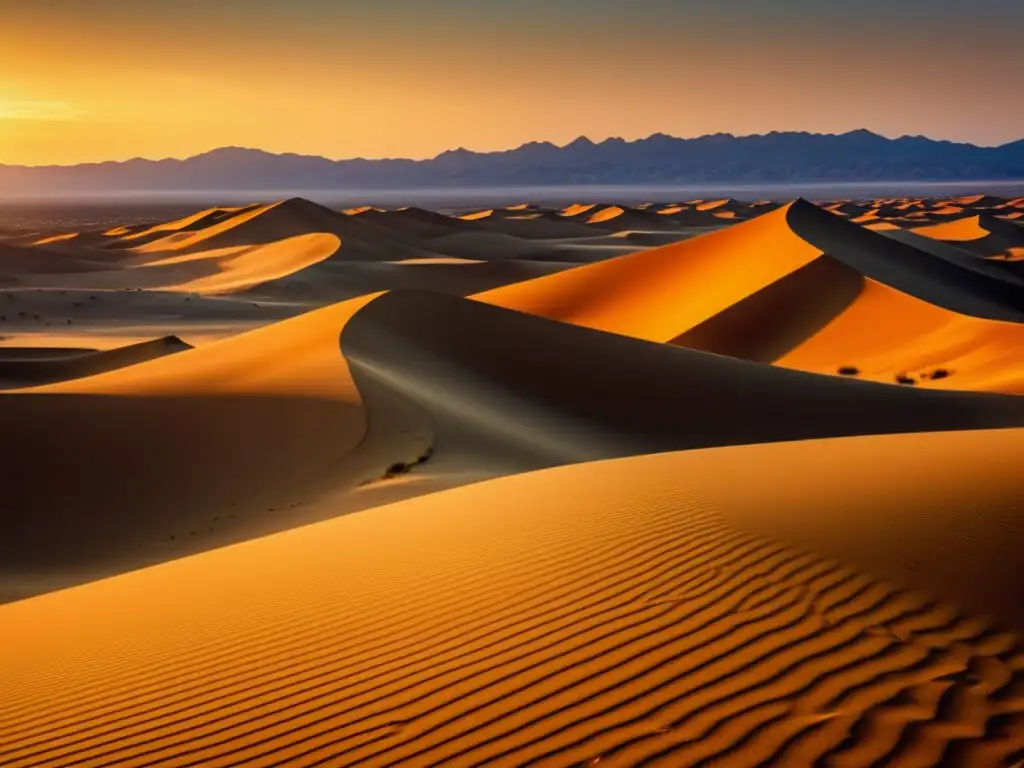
column 522, row 391
column 725, row 557
column 238, row 427
column 639, row 295
column 640, row 611
column 905, row 268
column 263, row 225
column 984, row 235
column 617, row 218
column 192, row 223
column 20, row 368
column 232, row 269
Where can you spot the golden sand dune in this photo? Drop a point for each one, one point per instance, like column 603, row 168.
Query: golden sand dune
column 679, row 609
column 234, row 428
column 514, row 390
column 237, row 268
column 640, row 294
column 578, row 209
column 263, row 225
column 827, row 574
column 800, row 309
column 984, row 235
column 615, row 217
column 217, row 271
column 196, row 221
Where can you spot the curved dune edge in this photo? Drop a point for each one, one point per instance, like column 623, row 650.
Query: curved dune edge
column 825, row 318
column 242, row 267
column 884, row 334
column 761, row 291
column 639, row 294
column 215, row 444
column 299, row 356
column 528, row 392
column 631, row 610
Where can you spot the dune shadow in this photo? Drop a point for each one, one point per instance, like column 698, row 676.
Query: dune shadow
column 97, row 484
column 512, row 390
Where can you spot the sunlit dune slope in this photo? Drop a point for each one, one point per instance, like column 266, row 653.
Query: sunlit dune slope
column 232, row 269
column 984, row 235
column 31, row 368
column 110, row 467
column 760, row 289
column 191, row 223
column 217, row 271
column 643, row 611
column 360, row 239
column 519, row 391
column 617, row 218
column 826, row 318
column 659, row 293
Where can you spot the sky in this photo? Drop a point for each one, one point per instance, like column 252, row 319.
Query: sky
column 95, row 80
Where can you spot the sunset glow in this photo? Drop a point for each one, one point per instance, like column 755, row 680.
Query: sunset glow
column 396, row 78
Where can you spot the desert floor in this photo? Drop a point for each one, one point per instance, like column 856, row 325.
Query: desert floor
column 713, row 482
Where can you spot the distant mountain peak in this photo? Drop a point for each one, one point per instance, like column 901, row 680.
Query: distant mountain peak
column 580, row 141
column 779, row 157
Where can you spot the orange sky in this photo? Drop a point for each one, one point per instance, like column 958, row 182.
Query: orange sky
column 88, row 80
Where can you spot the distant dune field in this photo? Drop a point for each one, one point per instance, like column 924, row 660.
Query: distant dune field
column 690, row 483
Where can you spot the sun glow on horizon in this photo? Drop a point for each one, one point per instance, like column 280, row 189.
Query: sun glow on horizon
column 398, row 78
column 38, row 110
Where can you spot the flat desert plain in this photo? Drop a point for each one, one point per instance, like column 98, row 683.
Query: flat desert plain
column 707, row 483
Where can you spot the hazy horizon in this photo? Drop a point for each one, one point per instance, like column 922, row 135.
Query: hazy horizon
column 211, row 150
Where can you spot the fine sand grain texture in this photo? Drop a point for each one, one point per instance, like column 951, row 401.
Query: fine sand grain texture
column 644, row 611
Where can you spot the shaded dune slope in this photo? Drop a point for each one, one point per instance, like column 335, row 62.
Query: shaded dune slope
column 31, row 369
column 906, row 268
column 828, row 318
column 334, row 279
column 16, row 260
column 522, row 391
column 185, row 452
column 630, row 612
column 955, row 253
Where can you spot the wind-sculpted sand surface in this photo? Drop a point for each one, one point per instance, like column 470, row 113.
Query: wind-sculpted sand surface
column 688, row 484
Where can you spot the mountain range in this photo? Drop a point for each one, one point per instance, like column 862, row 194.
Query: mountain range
column 792, row 157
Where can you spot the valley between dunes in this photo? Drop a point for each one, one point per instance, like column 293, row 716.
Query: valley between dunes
column 704, row 483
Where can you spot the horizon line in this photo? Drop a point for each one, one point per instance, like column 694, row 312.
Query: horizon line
column 582, row 138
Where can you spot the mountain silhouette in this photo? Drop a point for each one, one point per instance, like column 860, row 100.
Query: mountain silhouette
column 857, row 156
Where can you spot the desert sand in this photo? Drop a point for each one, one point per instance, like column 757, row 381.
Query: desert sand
column 703, row 482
